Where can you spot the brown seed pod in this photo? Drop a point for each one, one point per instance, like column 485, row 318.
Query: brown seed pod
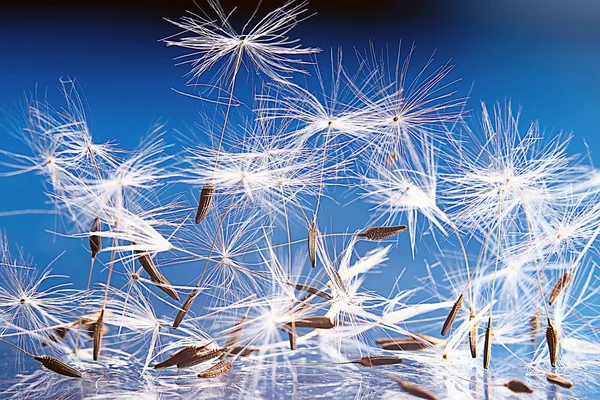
column 312, row 244
column 404, row 344
column 95, row 240
column 207, row 195
column 313, row 290
column 98, row 334
column 560, row 285
column 220, row 368
column 155, row 276
column 487, row 346
column 376, row 361
column 185, row 308
column 200, row 357
column 382, row 232
column 413, row 389
column 241, row 351
column 517, row 386
column 452, row 315
column 559, row 380
column 182, row 356
column 553, row 345
column 315, row 323
column 55, row 365
column 473, row 332
column 535, row 324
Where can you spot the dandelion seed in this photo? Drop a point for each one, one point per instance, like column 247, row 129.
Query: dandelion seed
column 560, row 286
column 452, row 315
column 207, row 195
column 241, row 351
column 313, row 290
column 559, row 380
column 553, row 344
column 535, row 324
column 312, row 244
column 517, row 386
column 220, row 368
column 403, row 344
column 487, row 349
column 473, row 332
column 98, row 334
column 58, row 366
column 181, row 356
column 185, row 308
column 382, row 232
column 155, row 276
column 201, row 357
column 292, row 335
column 413, row 389
column 376, row 361
column 315, row 322
column 95, row 240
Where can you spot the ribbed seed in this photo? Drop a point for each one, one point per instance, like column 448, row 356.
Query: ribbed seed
column 220, row 368
column 315, row 322
column 553, row 345
column 207, row 195
column 312, row 244
column 558, row 288
column 473, row 332
column 404, row 344
column 382, row 232
column 452, row 315
column 98, row 334
column 376, row 361
column 487, row 349
column 155, row 276
column 181, row 356
column 413, row 389
column 313, row 290
column 55, row 365
column 200, row 357
column 559, row 380
column 95, row 240
column 517, row 386
column 185, row 308
column 292, row 335
column 241, row 351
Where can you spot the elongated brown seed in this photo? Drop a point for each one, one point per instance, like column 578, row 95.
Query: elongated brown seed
column 292, row 335
column 220, row 368
column 559, row 380
column 155, row 276
column 413, row 389
column 452, row 315
column 517, row 386
column 553, row 346
column 312, row 244
column 473, row 332
column 535, row 325
column 207, row 195
column 416, row 336
column 313, row 290
column 185, row 308
column 404, row 344
column 242, row 351
column 315, row 323
column 487, row 346
column 560, row 285
column 181, row 356
column 376, row 361
column 382, row 232
column 98, row 334
column 200, row 357
column 55, row 365
column 95, row 240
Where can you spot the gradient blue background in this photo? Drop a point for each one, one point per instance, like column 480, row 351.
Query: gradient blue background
column 544, row 58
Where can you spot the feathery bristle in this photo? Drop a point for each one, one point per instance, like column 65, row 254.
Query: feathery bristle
column 487, row 346
column 413, row 389
column 553, row 345
column 220, row 368
column 452, row 315
column 185, row 308
column 98, row 334
column 560, row 285
column 382, row 232
column 315, row 322
column 312, row 244
column 376, row 361
column 95, row 240
column 55, row 365
column 559, row 380
column 313, row 290
column 207, row 195
column 473, row 332
column 517, row 386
